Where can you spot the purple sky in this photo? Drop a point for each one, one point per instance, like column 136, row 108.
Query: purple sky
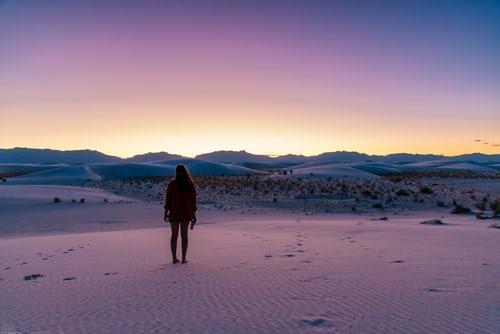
column 270, row 77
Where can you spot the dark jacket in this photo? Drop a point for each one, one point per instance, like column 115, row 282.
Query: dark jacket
column 181, row 205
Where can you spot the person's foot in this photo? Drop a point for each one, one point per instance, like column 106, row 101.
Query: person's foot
column 184, row 261
column 175, row 261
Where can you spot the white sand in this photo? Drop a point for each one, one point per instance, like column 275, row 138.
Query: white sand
column 275, row 273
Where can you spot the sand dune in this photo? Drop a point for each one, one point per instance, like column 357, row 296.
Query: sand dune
column 25, row 168
column 333, row 170
column 376, row 167
column 199, row 167
column 73, row 174
column 60, row 175
column 467, row 166
column 432, row 163
column 131, row 169
column 42, row 174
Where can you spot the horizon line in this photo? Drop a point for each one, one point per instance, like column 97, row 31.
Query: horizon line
column 244, row 150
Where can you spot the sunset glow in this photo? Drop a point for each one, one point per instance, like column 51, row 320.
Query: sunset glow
column 127, row 77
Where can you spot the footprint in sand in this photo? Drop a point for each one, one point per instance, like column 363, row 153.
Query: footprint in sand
column 268, row 256
column 434, row 290
column 300, row 250
column 32, row 277
column 315, row 323
column 44, row 259
column 7, row 268
column 397, row 261
column 113, row 273
column 22, row 264
column 289, row 255
column 69, row 278
column 306, row 261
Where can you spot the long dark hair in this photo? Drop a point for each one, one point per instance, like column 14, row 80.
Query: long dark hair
column 183, row 179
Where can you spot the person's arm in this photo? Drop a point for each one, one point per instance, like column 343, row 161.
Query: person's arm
column 193, row 207
column 168, row 202
column 193, row 200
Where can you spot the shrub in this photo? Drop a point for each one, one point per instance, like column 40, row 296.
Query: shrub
column 366, row 193
column 57, row 200
column 495, row 206
column 480, row 206
column 82, row 200
column 460, row 209
column 402, row 192
column 426, row 190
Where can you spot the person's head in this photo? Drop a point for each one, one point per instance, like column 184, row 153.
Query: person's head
column 183, row 178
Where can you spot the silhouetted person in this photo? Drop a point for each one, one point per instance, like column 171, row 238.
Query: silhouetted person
column 180, row 209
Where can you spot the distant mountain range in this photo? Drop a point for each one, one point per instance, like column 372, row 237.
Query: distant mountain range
column 48, row 156
column 239, row 157
column 157, row 156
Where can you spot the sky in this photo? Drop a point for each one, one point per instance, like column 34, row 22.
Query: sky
column 270, row 77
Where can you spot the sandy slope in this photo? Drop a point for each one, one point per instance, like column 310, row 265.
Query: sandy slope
column 272, row 273
column 63, row 174
column 333, row 170
column 59, row 175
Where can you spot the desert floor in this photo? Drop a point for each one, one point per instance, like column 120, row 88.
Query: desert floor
column 105, row 267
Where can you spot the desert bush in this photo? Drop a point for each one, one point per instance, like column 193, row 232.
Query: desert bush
column 460, row 209
column 82, row 200
column 495, row 206
column 426, row 190
column 366, row 193
column 402, row 192
column 57, row 200
column 480, row 205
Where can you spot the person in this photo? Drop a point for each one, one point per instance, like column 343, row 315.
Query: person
column 180, row 209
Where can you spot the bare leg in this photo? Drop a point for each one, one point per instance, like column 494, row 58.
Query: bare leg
column 173, row 241
column 184, row 237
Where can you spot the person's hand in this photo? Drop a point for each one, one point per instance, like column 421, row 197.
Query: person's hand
column 165, row 218
column 193, row 222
